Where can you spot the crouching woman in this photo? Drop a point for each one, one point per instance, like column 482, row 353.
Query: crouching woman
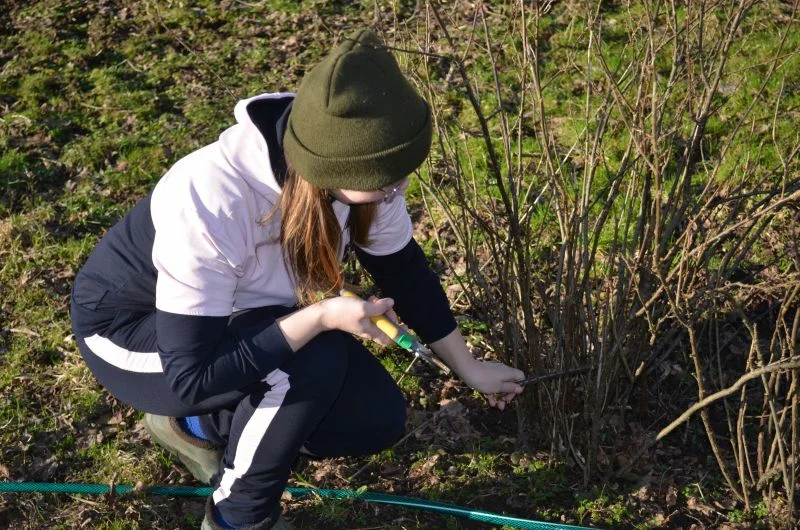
column 201, row 306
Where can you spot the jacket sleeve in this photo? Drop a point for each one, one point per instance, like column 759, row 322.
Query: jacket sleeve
column 203, row 356
column 418, row 295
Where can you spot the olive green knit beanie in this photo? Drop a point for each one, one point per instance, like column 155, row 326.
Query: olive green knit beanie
column 356, row 123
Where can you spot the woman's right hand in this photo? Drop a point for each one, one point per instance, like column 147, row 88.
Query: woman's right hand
column 353, row 316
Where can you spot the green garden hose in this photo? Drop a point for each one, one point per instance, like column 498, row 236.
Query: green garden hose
column 382, row 498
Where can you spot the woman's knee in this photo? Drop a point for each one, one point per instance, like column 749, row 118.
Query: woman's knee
column 395, row 418
column 384, row 428
column 323, row 360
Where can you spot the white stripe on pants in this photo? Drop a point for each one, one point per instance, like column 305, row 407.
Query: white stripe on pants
column 253, row 432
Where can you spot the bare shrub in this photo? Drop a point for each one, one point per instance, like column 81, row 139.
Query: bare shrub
column 625, row 209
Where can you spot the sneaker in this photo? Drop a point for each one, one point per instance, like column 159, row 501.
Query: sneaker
column 200, row 457
column 210, row 522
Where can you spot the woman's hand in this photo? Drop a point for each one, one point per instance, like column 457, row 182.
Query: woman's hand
column 494, row 379
column 353, row 316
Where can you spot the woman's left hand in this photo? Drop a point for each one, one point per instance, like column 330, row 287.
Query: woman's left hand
column 494, row 379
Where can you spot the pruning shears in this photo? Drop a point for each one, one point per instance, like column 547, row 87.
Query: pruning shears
column 403, row 338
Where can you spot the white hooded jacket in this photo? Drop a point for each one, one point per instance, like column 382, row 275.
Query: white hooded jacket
column 213, row 253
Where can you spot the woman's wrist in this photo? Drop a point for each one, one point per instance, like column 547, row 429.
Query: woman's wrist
column 322, row 315
column 468, row 370
column 454, row 352
column 300, row 327
column 318, row 317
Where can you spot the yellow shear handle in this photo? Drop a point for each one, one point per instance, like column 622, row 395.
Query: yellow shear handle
column 384, row 324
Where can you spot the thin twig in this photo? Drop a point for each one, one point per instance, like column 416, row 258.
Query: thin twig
column 790, row 364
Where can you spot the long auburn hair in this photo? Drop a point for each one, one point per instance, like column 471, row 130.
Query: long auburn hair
column 310, row 236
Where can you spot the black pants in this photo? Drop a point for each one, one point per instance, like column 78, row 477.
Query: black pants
column 332, row 398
